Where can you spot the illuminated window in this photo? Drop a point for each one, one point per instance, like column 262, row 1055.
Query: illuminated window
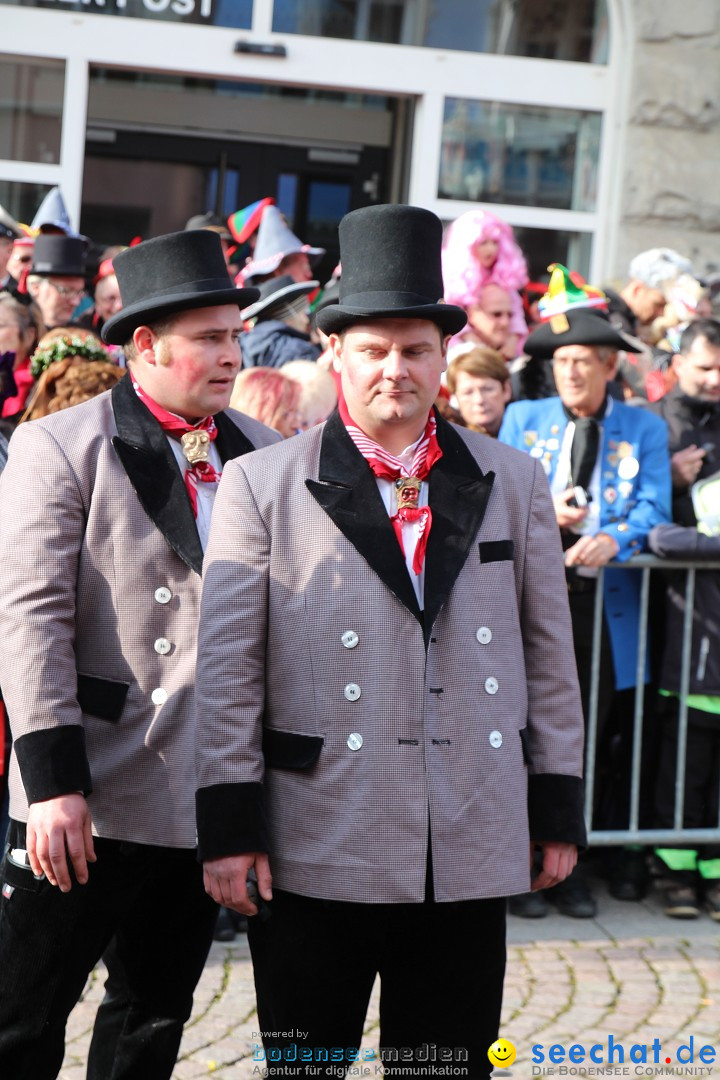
column 520, row 154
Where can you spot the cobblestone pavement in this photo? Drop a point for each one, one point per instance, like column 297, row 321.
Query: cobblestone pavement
column 631, row 973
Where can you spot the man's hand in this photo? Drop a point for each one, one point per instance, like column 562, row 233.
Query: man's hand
column 685, row 466
column 568, row 516
column 57, row 828
column 226, row 880
column 558, row 863
column 595, row 550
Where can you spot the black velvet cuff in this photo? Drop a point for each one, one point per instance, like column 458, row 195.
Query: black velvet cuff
column 231, row 820
column 555, row 809
column 53, row 762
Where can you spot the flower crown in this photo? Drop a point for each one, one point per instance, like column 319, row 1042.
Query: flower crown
column 41, row 359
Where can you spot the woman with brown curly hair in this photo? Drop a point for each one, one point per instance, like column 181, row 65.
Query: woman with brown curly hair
column 71, row 366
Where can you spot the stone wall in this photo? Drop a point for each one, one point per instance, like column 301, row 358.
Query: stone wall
column 671, row 190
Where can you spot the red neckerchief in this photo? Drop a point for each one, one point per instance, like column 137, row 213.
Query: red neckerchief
column 387, row 467
column 201, row 472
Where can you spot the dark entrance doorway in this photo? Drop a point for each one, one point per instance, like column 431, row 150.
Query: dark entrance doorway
column 144, row 184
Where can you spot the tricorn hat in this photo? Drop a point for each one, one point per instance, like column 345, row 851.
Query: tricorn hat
column 391, row 269
column 276, row 240
column 55, row 255
column 172, row 273
column 581, row 326
column 276, row 294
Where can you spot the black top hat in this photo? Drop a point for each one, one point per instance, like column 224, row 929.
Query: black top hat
column 277, row 293
column 177, row 272
column 391, row 269
column 584, row 326
column 55, row 255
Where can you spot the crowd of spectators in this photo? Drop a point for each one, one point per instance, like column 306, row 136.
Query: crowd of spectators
column 614, row 390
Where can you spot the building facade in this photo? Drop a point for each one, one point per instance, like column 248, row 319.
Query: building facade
column 591, row 127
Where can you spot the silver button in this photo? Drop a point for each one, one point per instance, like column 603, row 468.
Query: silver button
column 352, row 691
column 159, row 696
column 355, row 741
column 162, row 646
column 349, row 639
column 484, row 635
column 163, row 595
column 495, row 738
column 491, row 685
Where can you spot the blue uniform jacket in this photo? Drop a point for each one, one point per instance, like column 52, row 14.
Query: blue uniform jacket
column 630, row 505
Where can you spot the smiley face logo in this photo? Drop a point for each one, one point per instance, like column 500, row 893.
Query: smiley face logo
column 502, row 1053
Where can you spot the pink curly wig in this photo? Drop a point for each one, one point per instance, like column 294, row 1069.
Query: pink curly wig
column 463, row 276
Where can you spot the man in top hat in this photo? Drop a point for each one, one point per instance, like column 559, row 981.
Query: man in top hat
column 281, row 324
column 607, row 465
column 388, row 709
column 106, row 510
column 56, row 281
column 278, row 251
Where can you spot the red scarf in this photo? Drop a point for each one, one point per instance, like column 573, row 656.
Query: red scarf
column 199, row 472
column 387, row 467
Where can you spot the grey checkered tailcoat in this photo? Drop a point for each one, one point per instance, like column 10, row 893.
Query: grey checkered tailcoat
column 99, row 599
column 338, row 727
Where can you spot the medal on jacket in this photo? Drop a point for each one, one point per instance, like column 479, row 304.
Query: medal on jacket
column 407, row 492
column 196, row 445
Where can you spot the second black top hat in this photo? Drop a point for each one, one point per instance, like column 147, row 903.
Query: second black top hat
column 391, row 269
column 177, row 272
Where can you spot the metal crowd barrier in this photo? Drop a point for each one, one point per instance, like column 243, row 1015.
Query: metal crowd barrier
column 645, row 564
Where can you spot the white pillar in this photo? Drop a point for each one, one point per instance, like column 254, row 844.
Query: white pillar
column 72, row 146
column 262, row 17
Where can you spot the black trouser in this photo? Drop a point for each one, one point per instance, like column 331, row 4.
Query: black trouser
column 145, row 909
column 582, row 614
column 702, row 776
column 441, row 968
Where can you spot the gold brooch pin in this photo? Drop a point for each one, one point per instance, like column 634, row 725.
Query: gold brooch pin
column 407, row 492
column 196, row 446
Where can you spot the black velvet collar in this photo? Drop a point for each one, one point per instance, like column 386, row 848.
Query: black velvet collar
column 144, row 453
column 347, row 491
column 458, row 494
